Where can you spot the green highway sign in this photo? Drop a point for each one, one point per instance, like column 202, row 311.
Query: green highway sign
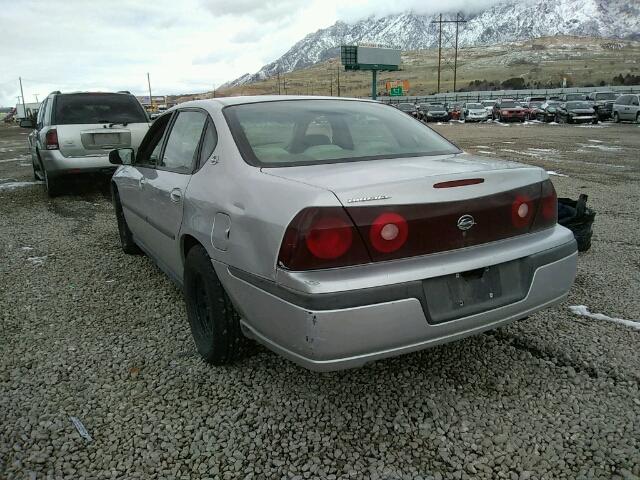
column 396, row 91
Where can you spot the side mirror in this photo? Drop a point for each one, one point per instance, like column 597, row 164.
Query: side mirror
column 122, row 156
column 26, row 123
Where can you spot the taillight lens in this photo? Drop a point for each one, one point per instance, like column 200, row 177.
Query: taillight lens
column 51, row 140
column 522, row 211
column 548, row 210
column 321, row 237
column 388, row 232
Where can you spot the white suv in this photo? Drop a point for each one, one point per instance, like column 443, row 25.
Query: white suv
column 74, row 133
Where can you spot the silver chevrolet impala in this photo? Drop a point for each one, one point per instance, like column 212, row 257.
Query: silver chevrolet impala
column 334, row 231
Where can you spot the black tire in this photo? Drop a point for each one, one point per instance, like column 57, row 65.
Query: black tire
column 52, row 185
column 215, row 324
column 638, row 117
column 126, row 237
column 616, row 117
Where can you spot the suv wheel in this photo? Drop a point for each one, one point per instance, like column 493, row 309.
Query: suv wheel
column 616, row 117
column 52, row 185
column 215, row 324
column 126, row 237
column 638, row 117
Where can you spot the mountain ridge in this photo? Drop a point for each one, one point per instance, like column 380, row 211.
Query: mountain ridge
column 511, row 20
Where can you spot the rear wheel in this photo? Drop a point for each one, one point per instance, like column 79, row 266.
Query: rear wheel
column 616, row 117
column 215, row 324
column 52, row 185
column 638, row 117
column 126, row 237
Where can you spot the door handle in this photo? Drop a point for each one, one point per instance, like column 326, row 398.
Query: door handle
column 175, row 195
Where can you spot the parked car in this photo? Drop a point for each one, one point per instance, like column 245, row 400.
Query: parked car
column 603, row 103
column 488, row 106
column 576, row 112
column 627, row 107
column 547, row 111
column 336, row 231
column 409, row 108
column 436, row 112
column 455, row 111
column 74, row 133
column 506, row 110
column 474, row 112
column 531, row 105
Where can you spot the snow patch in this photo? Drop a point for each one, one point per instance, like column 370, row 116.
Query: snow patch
column 483, row 146
column 26, row 249
column 583, row 311
column 602, row 148
column 595, row 141
column 13, row 185
column 485, row 152
column 552, row 172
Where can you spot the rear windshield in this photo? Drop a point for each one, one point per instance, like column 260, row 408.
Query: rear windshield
column 575, row 96
column 436, row 106
column 474, row 105
column 488, row 103
column 79, row 108
column 406, row 107
column 606, row 96
column 578, row 105
column 310, row 132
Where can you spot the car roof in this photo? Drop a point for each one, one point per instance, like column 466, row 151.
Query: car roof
column 222, row 102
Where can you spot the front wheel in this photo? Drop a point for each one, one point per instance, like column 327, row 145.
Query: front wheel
column 616, row 117
column 638, row 117
column 52, row 185
column 215, row 324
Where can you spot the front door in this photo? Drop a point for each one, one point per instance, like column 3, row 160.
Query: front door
column 163, row 191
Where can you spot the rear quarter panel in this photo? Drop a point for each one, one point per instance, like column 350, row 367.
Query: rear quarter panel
column 259, row 206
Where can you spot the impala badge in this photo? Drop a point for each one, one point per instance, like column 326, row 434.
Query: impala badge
column 368, row 199
column 465, row 222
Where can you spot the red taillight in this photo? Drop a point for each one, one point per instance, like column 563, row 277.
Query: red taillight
column 321, row 237
column 51, row 140
column 329, row 238
column 388, row 232
column 548, row 212
column 522, row 211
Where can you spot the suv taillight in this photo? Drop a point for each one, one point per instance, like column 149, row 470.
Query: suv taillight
column 51, row 140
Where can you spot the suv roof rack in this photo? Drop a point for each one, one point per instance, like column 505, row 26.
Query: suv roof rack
column 124, row 91
column 55, row 92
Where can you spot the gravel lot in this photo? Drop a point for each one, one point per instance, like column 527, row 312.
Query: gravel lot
column 89, row 332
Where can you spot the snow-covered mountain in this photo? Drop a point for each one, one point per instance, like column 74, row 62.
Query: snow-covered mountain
column 507, row 21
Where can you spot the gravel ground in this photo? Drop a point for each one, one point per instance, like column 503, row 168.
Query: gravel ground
column 89, row 332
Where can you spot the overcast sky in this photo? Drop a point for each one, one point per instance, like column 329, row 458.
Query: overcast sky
column 186, row 45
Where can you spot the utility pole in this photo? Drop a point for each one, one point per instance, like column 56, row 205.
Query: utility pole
column 24, row 106
column 331, row 83
column 453, row 65
column 439, row 52
column 150, row 97
column 278, row 81
column 284, row 83
column 214, row 90
column 338, row 81
column 36, row 95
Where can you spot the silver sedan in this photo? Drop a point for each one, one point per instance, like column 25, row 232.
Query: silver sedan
column 336, row 232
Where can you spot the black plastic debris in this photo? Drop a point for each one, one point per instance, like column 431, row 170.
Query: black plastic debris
column 577, row 217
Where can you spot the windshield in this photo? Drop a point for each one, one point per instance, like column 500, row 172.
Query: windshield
column 303, row 132
column 81, row 108
column 474, row 105
column 553, row 103
column 406, row 107
column 488, row 103
column 606, row 96
column 575, row 96
column 508, row 104
column 436, row 106
column 578, row 105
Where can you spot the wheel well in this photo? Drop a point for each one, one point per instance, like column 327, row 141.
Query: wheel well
column 188, row 242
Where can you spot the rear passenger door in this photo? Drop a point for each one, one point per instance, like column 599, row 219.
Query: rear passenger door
column 163, row 192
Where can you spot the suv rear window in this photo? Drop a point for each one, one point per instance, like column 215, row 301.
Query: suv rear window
column 82, row 108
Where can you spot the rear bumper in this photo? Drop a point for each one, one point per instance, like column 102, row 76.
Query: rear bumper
column 346, row 329
column 57, row 164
